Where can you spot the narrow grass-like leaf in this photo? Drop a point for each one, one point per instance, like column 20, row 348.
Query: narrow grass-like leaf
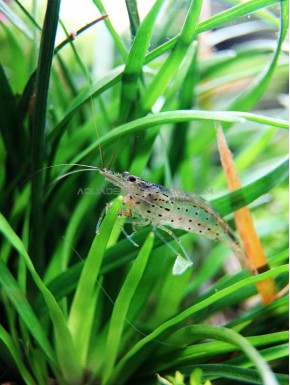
column 235, row 373
column 209, row 268
column 254, row 92
column 18, row 56
column 15, row 353
column 7, row 11
column 211, row 86
column 186, row 351
column 261, row 119
column 172, row 63
column 95, row 90
column 140, row 351
column 172, row 117
column 122, row 305
column 135, row 61
column 25, row 311
column 252, row 191
column 38, row 128
column 233, row 13
column 111, row 29
column 213, row 22
column 232, row 337
column 66, row 352
column 11, row 128
column 263, row 14
column 133, row 16
column 87, row 282
column 269, row 354
column 28, row 15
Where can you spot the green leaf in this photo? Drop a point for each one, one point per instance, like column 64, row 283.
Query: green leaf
column 172, row 63
column 235, row 373
column 243, row 196
column 7, row 11
column 65, row 349
column 132, row 9
column 213, row 22
column 253, row 93
column 111, row 29
column 200, row 332
column 173, row 117
column 186, row 351
column 38, row 128
column 121, row 307
column 11, row 126
column 141, row 349
column 25, row 311
column 15, row 353
column 83, row 296
column 83, row 97
column 135, row 61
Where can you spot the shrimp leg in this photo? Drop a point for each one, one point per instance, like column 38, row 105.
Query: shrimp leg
column 164, row 241
column 177, row 241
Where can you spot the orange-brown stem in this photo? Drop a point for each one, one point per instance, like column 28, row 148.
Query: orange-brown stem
column 245, row 225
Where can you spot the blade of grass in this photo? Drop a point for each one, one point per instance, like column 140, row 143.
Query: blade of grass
column 213, row 22
column 15, row 353
column 27, row 14
column 269, row 354
column 264, row 14
column 133, row 13
column 172, row 63
column 121, row 307
column 15, row 19
column 261, row 119
column 253, row 93
column 240, row 342
column 111, row 29
column 17, row 53
column 142, row 349
column 87, row 282
column 206, row 89
column 185, row 352
column 22, row 306
column 65, row 349
column 252, row 191
column 38, row 129
column 84, row 97
column 172, row 117
column 135, row 61
column 11, row 128
column 235, row 373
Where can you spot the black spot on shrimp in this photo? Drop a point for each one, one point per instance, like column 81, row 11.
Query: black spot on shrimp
column 232, row 236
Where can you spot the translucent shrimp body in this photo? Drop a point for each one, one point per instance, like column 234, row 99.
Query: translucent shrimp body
column 178, row 209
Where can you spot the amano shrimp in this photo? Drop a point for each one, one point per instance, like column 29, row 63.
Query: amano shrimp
column 148, row 203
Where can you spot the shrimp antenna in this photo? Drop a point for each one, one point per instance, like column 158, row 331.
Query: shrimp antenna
column 89, row 79
column 94, row 117
column 114, row 153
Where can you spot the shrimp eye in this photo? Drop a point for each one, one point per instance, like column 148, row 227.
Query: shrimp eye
column 125, row 173
column 131, row 178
